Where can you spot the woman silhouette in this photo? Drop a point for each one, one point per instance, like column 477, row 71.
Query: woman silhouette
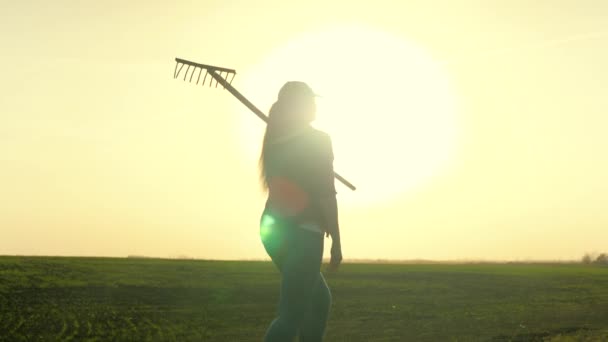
column 297, row 170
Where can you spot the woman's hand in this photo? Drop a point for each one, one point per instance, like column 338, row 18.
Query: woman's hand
column 336, row 256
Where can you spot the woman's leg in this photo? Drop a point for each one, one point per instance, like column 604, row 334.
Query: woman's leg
column 313, row 325
column 297, row 289
column 299, row 265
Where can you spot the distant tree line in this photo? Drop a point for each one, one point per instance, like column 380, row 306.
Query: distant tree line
column 590, row 258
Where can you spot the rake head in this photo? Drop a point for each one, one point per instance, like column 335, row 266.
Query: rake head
column 193, row 68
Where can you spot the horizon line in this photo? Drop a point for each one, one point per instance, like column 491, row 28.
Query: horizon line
column 349, row 260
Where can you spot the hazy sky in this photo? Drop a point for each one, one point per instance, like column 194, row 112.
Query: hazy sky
column 102, row 152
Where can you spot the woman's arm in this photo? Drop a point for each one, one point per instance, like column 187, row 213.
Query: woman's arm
column 327, row 199
column 329, row 210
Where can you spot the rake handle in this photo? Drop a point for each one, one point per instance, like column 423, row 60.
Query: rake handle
column 238, row 95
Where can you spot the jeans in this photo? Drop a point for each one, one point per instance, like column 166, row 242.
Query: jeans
column 305, row 298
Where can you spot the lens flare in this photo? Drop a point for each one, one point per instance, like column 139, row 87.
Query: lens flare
column 266, row 226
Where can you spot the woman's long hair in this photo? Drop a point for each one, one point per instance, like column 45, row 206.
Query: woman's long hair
column 283, row 118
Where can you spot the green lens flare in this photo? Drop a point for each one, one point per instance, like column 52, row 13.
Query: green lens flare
column 266, row 226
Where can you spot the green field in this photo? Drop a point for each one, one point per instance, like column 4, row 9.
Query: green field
column 111, row 299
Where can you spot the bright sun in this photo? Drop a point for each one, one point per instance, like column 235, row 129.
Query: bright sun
column 386, row 103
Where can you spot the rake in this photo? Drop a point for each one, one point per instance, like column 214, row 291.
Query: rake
column 220, row 76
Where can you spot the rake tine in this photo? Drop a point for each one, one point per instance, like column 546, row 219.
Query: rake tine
column 216, row 81
column 186, row 74
column 232, row 78
column 176, row 72
column 199, row 75
column 192, row 74
column 227, row 74
column 193, row 71
column 205, row 78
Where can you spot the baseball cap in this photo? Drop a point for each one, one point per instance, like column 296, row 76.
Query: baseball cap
column 296, row 89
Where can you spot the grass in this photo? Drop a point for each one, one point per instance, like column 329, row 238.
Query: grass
column 111, row 299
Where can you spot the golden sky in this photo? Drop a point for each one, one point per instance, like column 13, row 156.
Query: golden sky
column 102, row 152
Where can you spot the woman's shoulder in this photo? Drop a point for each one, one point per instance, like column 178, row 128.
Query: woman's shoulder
column 308, row 140
column 319, row 135
column 320, row 143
